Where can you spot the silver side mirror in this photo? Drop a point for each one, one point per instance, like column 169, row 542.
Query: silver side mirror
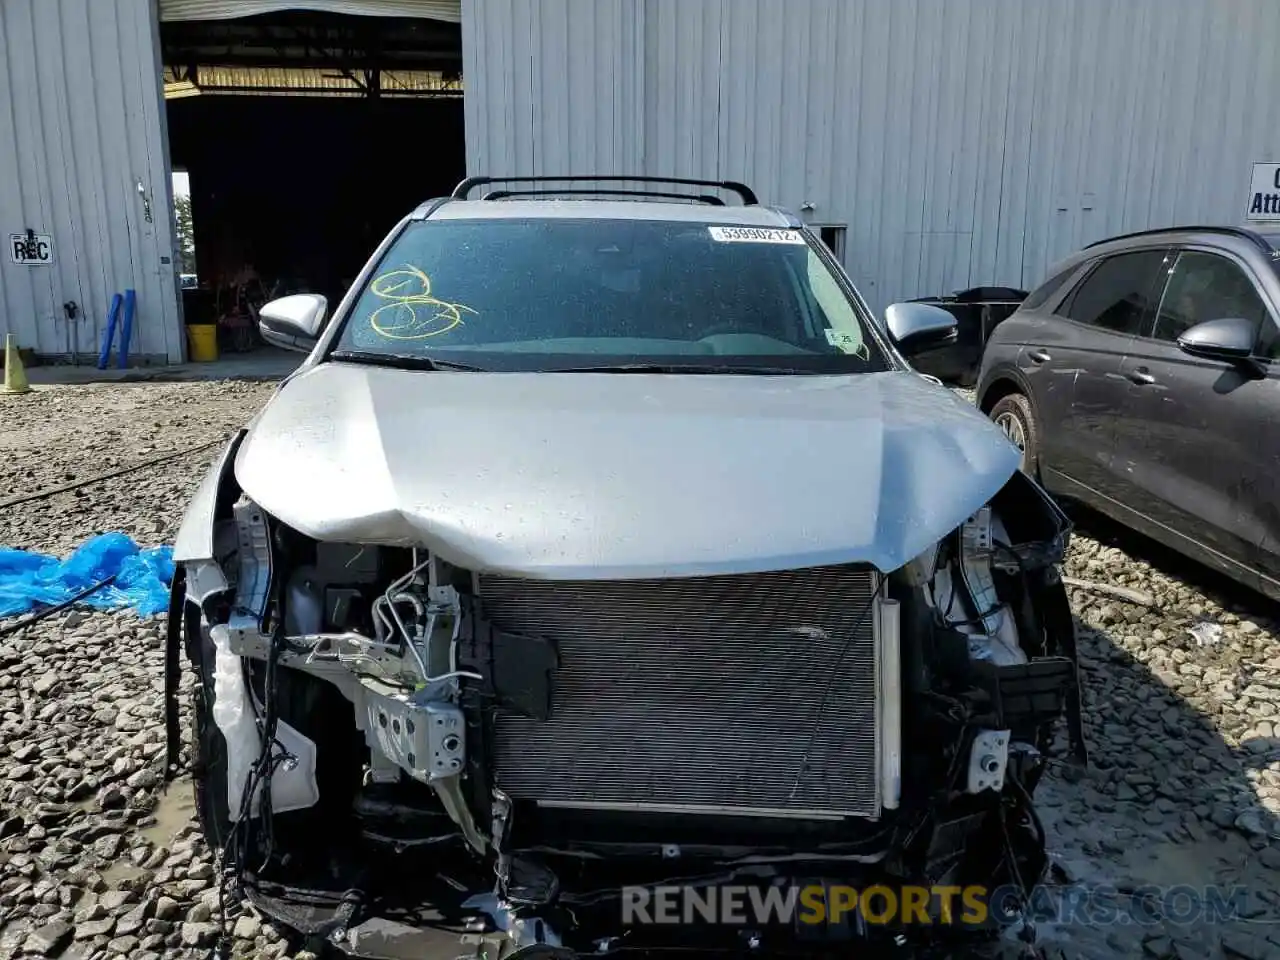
column 293, row 322
column 919, row 326
column 1228, row 338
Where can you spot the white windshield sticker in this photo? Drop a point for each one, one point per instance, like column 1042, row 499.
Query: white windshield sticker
column 754, row 235
column 847, row 342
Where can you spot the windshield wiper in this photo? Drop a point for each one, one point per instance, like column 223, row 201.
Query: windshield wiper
column 401, row 361
column 682, row 368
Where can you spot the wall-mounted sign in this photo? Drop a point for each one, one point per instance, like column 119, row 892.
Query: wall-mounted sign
column 31, row 249
column 1264, row 193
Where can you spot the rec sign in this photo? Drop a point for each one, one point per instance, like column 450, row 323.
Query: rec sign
column 31, row 249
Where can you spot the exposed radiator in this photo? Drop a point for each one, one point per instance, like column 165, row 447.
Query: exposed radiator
column 699, row 693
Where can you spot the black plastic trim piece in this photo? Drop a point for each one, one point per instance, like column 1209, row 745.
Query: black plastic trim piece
column 519, row 670
column 463, row 189
column 428, row 207
column 173, row 672
column 1055, row 612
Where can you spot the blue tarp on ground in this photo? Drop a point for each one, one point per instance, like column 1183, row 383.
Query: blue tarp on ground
column 29, row 581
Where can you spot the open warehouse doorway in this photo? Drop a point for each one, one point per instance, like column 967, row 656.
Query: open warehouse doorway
column 304, row 135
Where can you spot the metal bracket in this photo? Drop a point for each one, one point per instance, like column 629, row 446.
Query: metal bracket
column 443, row 612
column 515, row 937
column 252, row 643
column 254, row 579
column 888, row 629
column 975, row 568
column 204, row 579
column 382, row 769
column 988, row 760
column 449, row 790
column 425, row 739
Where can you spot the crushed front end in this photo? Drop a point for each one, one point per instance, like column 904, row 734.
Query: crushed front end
column 464, row 762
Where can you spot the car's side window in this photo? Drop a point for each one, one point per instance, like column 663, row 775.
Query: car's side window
column 1117, row 293
column 1269, row 339
column 1041, row 295
column 1205, row 286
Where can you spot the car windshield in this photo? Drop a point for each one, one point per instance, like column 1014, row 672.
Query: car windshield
column 555, row 294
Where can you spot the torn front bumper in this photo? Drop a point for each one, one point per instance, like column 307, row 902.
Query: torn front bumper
column 429, row 892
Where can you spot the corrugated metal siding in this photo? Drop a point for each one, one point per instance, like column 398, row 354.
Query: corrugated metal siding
column 554, row 84
column 448, row 10
column 963, row 142
column 81, row 124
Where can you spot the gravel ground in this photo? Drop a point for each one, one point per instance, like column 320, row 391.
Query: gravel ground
column 1182, row 703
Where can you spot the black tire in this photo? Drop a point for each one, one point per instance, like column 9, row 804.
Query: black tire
column 1013, row 414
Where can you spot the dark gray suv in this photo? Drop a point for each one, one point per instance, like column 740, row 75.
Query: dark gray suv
column 1143, row 379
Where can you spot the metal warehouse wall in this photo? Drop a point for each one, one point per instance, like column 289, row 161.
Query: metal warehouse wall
column 963, row 142
column 81, row 126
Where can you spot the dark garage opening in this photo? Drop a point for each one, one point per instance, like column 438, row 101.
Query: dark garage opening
column 305, row 137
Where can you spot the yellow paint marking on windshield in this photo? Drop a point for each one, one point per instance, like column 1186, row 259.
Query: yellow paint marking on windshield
column 408, row 291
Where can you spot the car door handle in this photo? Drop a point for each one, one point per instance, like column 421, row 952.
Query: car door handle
column 1039, row 356
column 1140, row 377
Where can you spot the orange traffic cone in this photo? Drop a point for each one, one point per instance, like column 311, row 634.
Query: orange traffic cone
column 15, row 377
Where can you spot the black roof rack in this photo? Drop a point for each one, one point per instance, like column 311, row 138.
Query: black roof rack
column 1241, row 232
column 700, row 198
column 462, row 190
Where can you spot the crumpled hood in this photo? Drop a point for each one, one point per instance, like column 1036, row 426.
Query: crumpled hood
column 576, row 475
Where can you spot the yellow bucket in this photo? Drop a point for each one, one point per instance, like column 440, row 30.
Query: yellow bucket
column 203, row 341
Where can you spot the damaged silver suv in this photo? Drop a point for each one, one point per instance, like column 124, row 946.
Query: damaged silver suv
column 605, row 541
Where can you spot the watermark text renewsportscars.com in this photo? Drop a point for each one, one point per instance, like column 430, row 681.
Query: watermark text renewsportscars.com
column 971, row 906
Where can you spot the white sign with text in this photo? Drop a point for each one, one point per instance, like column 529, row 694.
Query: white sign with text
column 35, row 249
column 1264, row 193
